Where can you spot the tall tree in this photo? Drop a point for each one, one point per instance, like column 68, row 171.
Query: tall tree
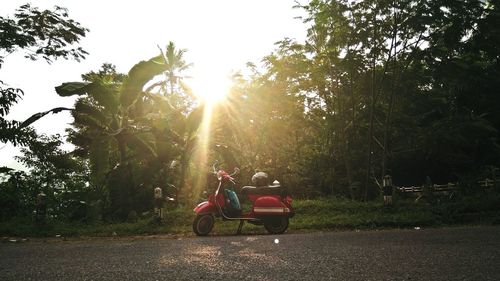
column 130, row 132
column 49, row 34
column 174, row 87
column 383, row 87
column 107, row 124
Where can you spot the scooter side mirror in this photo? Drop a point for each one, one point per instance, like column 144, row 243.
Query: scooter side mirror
column 214, row 166
column 236, row 171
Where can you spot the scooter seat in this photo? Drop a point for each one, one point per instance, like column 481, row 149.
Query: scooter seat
column 264, row 190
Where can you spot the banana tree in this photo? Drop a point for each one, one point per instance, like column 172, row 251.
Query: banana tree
column 106, row 104
column 176, row 134
column 106, row 125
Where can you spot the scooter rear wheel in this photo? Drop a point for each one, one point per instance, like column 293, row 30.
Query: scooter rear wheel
column 203, row 224
column 276, row 225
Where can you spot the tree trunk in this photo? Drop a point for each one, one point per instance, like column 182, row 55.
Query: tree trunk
column 183, row 173
column 387, row 122
column 372, row 112
column 122, row 148
column 370, row 134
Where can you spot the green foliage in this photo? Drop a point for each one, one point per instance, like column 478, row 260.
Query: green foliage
column 178, row 93
column 56, row 173
column 10, row 130
column 311, row 215
column 378, row 87
column 407, row 88
column 137, row 78
column 16, row 199
column 47, row 34
column 130, row 132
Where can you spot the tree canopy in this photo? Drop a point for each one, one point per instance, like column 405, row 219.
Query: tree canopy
column 46, row 34
column 407, row 88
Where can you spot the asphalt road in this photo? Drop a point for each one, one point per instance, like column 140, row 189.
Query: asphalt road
column 425, row 254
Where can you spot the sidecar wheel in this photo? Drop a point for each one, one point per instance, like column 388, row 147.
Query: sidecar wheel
column 203, row 224
column 276, row 225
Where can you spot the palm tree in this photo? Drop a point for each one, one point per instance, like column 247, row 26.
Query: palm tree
column 178, row 93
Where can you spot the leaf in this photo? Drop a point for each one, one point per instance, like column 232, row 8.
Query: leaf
column 39, row 115
column 144, row 142
column 90, row 121
column 83, row 107
column 99, row 154
column 105, row 94
column 177, row 122
column 72, row 88
column 138, row 76
column 5, row 170
column 194, row 120
column 174, row 136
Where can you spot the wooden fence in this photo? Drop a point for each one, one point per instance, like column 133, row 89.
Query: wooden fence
column 441, row 189
column 487, row 183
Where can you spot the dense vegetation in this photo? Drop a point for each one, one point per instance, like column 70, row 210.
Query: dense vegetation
column 407, row 88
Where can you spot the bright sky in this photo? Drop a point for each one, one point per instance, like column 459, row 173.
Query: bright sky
column 220, row 36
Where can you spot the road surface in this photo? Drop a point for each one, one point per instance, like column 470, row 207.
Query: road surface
column 416, row 254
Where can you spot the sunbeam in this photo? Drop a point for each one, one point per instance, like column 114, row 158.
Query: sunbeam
column 202, row 150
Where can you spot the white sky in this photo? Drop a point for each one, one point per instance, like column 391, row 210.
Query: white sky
column 220, row 36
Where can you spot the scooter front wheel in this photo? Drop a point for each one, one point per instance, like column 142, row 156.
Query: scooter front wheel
column 203, row 224
column 276, row 225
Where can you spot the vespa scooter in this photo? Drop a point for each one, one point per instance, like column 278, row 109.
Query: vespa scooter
column 271, row 206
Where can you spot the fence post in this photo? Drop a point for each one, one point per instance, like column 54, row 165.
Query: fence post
column 387, row 190
column 158, row 199
column 41, row 208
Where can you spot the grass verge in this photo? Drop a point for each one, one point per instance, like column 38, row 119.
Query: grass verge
column 311, row 215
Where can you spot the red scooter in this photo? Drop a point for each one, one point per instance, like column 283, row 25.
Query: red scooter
column 271, row 206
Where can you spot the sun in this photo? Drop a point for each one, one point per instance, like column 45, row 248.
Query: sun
column 211, row 87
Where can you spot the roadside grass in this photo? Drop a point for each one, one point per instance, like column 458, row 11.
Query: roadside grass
column 334, row 214
column 311, row 215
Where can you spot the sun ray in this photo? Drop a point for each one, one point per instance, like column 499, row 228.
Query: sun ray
column 202, row 150
column 211, row 87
